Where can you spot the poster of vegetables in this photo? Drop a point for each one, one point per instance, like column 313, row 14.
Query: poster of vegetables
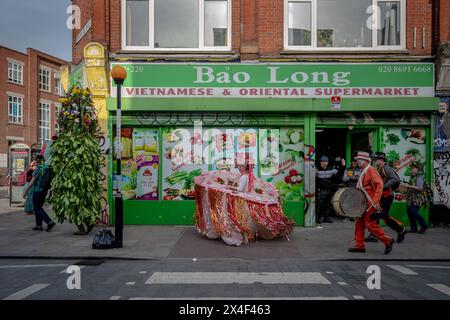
column 285, row 168
column 402, row 146
column 227, row 144
column 183, row 160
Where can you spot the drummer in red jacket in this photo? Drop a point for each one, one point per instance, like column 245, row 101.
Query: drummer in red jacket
column 371, row 183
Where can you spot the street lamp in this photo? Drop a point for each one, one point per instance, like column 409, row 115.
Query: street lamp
column 119, row 74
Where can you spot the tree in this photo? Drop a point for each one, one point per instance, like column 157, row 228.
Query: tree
column 76, row 189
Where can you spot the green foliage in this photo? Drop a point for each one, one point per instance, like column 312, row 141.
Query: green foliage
column 392, row 139
column 76, row 190
column 393, row 157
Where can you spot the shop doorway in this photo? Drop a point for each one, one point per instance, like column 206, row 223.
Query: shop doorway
column 332, row 144
column 337, row 143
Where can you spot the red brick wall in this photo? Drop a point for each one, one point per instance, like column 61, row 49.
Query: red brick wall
column 270, row 26
column 86, row 14
column 444, row 21
column 266, row 33
column 6, row 129
column 28, row 130
column 419, row 15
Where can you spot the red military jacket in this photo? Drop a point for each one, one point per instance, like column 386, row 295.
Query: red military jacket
column 373, row 184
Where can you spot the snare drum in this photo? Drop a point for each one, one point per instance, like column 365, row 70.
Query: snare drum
column 350, row 202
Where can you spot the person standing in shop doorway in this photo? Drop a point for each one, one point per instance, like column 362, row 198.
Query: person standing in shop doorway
column 351, row 175
column 324, row 182
column 371, row 184
column 391, row 182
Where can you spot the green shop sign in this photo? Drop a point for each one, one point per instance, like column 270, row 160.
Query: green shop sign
column 372, row 80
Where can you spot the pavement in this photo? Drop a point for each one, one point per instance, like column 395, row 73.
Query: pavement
column 329, row 242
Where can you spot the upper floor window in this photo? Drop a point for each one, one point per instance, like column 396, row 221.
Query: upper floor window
column 58, row 109
column 44, row 121
column 345, row 24
column 58, row 86
column 44, row 79
column 176, row 24
column 15, row 72
column 15, row 109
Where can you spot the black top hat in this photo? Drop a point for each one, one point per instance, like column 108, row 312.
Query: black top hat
column 379, row 155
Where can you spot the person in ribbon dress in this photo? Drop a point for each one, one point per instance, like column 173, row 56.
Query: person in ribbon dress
column 371, row 183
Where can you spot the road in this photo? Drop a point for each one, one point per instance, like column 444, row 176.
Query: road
column 223, row 279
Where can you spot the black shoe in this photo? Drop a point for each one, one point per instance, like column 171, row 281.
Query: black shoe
column 389, row 247
column 401, row 236
column 318, row 222
column 422, row 230
column 37, row 228
column 371, row 238
column 50, row 226
column 412, row 231
column 327, row 221
column 362, row 250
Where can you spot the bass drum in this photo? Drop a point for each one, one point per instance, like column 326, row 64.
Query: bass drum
column 350, row 202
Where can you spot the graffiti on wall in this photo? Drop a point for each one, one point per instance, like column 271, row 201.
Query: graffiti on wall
column 441, row 177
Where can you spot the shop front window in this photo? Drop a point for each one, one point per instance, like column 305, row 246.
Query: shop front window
column 344, row 24
column 176, row 24
column 185, row 156
column 166, row 169
column 282, row 161
column 140, row 164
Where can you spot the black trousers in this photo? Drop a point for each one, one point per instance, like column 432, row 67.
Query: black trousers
column 323, row 205
column 386, row 204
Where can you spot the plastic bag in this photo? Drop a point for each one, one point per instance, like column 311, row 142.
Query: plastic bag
column 103, row 240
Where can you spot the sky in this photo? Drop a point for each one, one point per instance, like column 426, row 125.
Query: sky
column 37, row 24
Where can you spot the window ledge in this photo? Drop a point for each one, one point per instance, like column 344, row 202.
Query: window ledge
column 348, row 56
column 16, row 84
column 16, row 124
column 174, row 55
column 346, row 52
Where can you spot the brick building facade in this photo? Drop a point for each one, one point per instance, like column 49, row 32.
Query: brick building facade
column 239, row 50
column 258, row 31
column 30, row 86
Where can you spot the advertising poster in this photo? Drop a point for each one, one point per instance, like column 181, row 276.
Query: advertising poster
column 231, row 146
column 284, row 168
column 140, row 164
column 147, row 177
column 185, row 154
column 402, row 146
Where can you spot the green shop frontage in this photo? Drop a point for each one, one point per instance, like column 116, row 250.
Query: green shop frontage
column 179, row 120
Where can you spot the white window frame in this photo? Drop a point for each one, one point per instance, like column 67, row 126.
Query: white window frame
column 151, row 46
column 58, row 89
column 20, row 111
column 313, row 46
column 58, row 108
column 49, row 70
column 41, row 127
column 11, row 70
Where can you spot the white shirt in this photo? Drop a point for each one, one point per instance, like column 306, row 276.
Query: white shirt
column 243, row 183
